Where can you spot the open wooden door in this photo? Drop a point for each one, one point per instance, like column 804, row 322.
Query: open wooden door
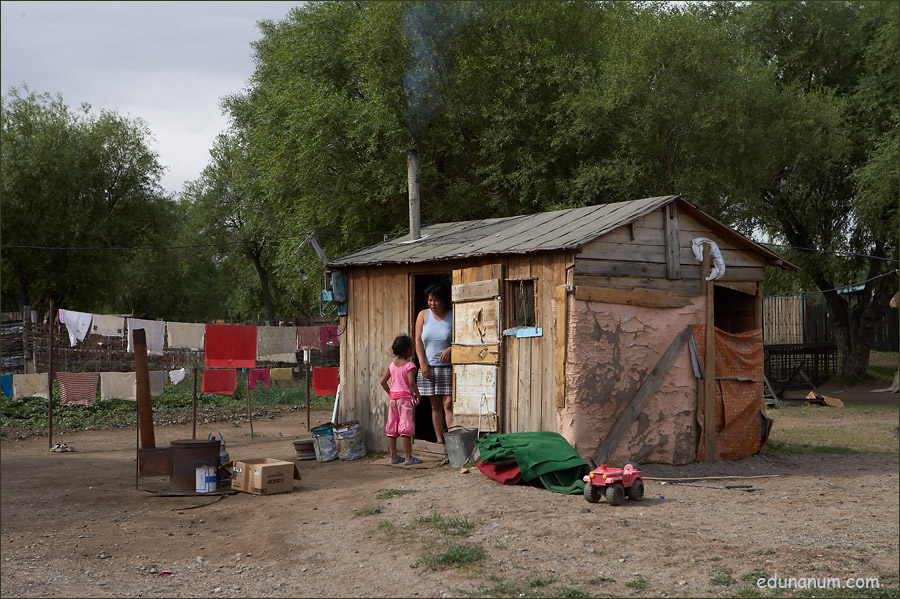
column 476, row 352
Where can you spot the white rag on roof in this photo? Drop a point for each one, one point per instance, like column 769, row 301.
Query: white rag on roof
column 718, row 264
column 78, row 324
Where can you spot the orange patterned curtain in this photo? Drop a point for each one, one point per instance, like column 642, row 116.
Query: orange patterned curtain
column 740, row 415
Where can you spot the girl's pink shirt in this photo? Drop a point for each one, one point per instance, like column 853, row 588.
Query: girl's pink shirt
column 400, row 380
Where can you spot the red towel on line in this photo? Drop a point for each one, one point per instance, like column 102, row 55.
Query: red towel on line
column 77, row 388
column 329, row 333
column 259, row 374
column 220, row 381
column 325, row 380
column 230, row 346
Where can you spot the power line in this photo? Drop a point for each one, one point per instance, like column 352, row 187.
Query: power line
column 834, row 252
column 838, row 289
column 173, row 247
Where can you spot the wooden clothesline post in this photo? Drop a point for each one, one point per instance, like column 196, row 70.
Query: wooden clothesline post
column 50, row 374
column 306, row 362
column 249, row 410
column 709, row 365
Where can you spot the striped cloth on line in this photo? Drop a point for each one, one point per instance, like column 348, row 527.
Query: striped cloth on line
column 77, row 387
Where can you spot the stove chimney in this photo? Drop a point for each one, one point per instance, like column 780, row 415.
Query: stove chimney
column 412, row 171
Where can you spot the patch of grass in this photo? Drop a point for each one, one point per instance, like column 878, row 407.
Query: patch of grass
column 567, row 592
column 715, row 559
column 722, row 577
column 748, row 592
column 391, row 493
column 538, row 582
column 853, row 429
column 882, row 593
column 369, row 511
column 600, row 580
column 752, row 577
column 454, row 555
column 448, row 525
column 764, row 552
column 638, row 583
column 883, row 365
column 806, row 448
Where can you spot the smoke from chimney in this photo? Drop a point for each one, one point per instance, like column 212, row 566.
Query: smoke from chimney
column 412, row 171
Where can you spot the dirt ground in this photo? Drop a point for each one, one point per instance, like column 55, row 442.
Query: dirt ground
column 74, row 525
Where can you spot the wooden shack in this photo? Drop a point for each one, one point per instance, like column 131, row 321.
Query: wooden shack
column 559, row 320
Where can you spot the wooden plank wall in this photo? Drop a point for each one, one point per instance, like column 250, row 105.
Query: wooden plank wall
column 529, row 398
column 635, row 256
column 377, row 311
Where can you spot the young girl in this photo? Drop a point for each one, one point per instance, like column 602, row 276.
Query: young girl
column 404, row 394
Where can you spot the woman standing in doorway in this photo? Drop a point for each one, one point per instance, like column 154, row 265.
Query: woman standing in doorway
column 434, row 334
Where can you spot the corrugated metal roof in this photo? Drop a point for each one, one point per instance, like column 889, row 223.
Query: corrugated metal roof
column 546, row 231
column 557, row 230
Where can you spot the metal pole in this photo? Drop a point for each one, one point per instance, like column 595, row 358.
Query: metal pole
column 194, row 407
column 50, row 373
column 249, row 411
column 306, row 361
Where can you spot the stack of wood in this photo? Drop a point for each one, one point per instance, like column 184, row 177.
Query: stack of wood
column 429, row 451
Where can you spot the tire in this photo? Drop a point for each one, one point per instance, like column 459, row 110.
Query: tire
column 591, row 493
column 636, row 491
column 615, row 495
column 635, row 465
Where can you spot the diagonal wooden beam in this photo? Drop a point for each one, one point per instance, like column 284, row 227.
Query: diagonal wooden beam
column 649, row 387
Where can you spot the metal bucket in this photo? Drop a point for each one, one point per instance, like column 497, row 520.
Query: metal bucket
column 206, row 479
column 349, row 440
column 460, row 443
column 323, row 443
column 187, row 456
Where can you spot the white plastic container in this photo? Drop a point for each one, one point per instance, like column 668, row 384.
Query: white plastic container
column 206, row 479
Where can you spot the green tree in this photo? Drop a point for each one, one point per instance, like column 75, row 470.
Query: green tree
column 73, row 179
column 228, row 209
column 833, row 191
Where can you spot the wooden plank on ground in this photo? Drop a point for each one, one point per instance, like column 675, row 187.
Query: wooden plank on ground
column 648, row 388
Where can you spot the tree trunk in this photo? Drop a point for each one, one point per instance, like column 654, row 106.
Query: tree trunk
column 263, row 273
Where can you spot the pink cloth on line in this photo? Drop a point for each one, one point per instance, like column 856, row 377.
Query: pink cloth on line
column 222, row 381
column 230, row 346
column 400, row 421
column 329, row 333
column 77, row 388
column 308, row 338
column 259, row 374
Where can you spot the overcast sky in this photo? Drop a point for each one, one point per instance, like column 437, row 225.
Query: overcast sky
column 169, row 63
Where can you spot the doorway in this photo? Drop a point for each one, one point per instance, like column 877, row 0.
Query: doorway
column 418, row 284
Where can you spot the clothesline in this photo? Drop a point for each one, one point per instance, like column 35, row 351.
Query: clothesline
column 80, row 388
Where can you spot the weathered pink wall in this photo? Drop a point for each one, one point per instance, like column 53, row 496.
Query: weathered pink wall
column 611, row 350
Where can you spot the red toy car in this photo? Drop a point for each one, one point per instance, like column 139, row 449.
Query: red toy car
column 614, row 484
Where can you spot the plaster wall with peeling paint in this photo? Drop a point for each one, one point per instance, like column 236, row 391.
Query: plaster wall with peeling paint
column 611, row 349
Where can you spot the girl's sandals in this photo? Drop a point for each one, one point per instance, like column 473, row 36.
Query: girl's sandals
column 396, row 460
column 412, row 462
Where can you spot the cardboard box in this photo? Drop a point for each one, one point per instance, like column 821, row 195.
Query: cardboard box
column 263, row 476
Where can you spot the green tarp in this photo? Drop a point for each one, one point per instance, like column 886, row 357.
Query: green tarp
column 542, row 455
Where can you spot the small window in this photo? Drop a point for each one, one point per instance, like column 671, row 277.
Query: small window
column 523, row 304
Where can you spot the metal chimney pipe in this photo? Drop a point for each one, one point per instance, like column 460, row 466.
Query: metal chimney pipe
column 412, row 171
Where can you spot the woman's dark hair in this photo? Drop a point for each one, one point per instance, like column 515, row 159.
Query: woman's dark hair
column 439, row 291
column 401, row 345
